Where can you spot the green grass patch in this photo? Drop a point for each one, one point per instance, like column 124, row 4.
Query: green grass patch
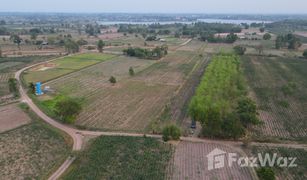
column 122, row 158
column 65, row 66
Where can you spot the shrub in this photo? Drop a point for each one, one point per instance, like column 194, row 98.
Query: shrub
column 131, row 71
column 239, row 50
column 266, row 173
column 171, row 132
column 112, row 80
column 267, row 36
column 305, row 53
column 13, row 86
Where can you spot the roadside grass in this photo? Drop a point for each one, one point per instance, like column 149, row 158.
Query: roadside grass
column 32, row 151
column 122, row 158
column 65, row 66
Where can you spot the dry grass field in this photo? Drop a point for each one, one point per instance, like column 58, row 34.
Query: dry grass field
column 279, row 87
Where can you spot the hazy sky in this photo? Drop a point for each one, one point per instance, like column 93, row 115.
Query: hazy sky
column 154, row 6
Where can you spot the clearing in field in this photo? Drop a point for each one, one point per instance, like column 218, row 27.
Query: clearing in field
column 63, row 66
column 11, row 117
column 122, row 158
column 32, row 151
column 134, row 101
column 279, row 87
column 190, row 162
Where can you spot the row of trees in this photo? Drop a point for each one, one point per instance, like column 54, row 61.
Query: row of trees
column 156, row 53
column 289, row 41
column 220, row 104
column 230, row 38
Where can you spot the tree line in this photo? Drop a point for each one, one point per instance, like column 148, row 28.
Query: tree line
column 156, row 53
column 220, row 103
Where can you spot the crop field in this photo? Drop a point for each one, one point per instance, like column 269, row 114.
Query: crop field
column 190, row 162
column 62, row 66
column 291, row 173
column 4, row 89
column 278, row 85
column 134, row 101
column 122, row 158
column 12, row 117
column 31, row 151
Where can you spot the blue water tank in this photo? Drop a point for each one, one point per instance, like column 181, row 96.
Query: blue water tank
column 38, row 88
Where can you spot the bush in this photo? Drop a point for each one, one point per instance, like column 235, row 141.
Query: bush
column 267, row 36
column 305, row 53
column 239, row 50
column 112, row 80
column 13, row 87
column 68, row 109
column 266, row 173
column 131, row 71
column 171, row 132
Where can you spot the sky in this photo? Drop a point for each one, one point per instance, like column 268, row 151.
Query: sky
column 158, row 6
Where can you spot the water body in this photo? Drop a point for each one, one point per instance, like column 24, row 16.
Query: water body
column 231, row 21
column 227, row 21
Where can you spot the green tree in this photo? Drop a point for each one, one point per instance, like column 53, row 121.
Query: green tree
column 261, row 29
column 247, row 112
column 71, row 46
column 266, row 173
column 16, row 39
column 13, row 86
column 131, row 71
column 279, row 42
column 0, row 52
column 267, row 36
column 239, row 50
column 231, row 38
column 305, row 53
column 171, row 132
column 112, row 80
column 68, row 109
column 232, row 127
column 34, row 36
column 32, row 87
column 100, row 45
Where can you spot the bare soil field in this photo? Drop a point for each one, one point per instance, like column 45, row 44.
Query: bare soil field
column 11, row 117
column 278, row 85
column 31, row 151
column 190, row 162
column 301, row 33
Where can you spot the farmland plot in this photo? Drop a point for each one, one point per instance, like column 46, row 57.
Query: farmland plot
column 122, row 158
column 190, row 162
column 31, row 151
column 291, row 173
column 134, row 101
column 279, row 87
column 63, row 66
column 12, row 117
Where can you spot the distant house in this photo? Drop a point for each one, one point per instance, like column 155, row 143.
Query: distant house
column 162, row 40
column 45, row 43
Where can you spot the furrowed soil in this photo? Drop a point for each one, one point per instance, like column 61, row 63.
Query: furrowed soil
column 279, row 86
